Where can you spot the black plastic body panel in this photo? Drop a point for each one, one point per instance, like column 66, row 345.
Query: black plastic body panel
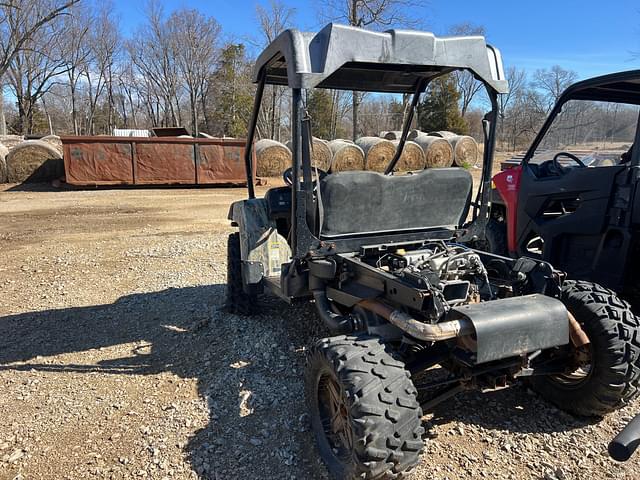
column 589, row 240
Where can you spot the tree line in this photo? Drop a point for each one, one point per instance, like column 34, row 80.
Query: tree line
column 66, row 67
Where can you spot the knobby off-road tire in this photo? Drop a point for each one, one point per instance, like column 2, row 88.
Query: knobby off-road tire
column 613, row 373
column 237, row 301
column 376, row 403
column 496, row 236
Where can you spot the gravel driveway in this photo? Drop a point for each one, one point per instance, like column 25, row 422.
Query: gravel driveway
column 116, row 360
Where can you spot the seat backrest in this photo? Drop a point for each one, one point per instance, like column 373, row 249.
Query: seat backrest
column 368, row 202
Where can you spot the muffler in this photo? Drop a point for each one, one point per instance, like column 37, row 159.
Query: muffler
column 502, row 328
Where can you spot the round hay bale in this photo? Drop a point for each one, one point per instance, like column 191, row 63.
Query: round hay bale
column 465, row 150
column 34, row 161
column 346, row 156
column 3, row 163
column 392, row 135
column 378, row 152
column 54, row 141
column 320, row 154
column 272, row 158
column 438, row 152
column 11, row 141
column 414, row 133
column 412, row 157
column 443, row 134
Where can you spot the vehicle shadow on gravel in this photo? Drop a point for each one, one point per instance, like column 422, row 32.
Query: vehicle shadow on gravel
column 248, row 372
column 248, row 369
column 515, row 409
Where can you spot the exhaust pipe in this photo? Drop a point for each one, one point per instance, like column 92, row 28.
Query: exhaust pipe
column 450, row 329
column 428, row 332
column 576, row 333
column 338, row 324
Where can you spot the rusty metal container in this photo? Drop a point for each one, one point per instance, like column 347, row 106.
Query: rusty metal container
column 221, row 162
column 164, row 163
column 153, row 161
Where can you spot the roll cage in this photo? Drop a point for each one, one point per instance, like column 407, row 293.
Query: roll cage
column 348, row 58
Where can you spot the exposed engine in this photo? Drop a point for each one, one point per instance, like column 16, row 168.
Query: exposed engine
column 453, row 273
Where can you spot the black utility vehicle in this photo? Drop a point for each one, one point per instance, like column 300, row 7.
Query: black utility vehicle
column 389, row 263
column 573, row 199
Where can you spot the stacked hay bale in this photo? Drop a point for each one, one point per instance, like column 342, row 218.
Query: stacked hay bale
column 320, row 154
column 412, row 158
column 397, row 134
column 11, row 141
column 54, row 141
column 465, row 148
column 465, row 151
column 437, row 151
column 442, row 134
column 3, row 163
column 34, row 161
column 378, row 152
column 272, row 158
column 346, row 156
column 413, row 134
column 392, row 135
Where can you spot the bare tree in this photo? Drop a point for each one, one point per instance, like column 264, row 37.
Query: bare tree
column 553, row 82
column 372, row 14
column 154, row 56
column 517, row 80
column 3, row 118
column 272, row 21
column 195, row 43
column 129, row 100
column 34, row 70
column 76, row 51
column 522, row 118
column 467, row 85
column 104, row 40
column 20, row 20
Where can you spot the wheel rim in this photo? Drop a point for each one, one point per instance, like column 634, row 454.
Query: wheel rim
column 334, row 416
column 582, row 360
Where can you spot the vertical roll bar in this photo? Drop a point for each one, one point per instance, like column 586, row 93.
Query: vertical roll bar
column 248, row 150
column 296, row 147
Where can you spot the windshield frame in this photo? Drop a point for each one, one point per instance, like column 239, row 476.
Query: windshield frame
column 579, row 92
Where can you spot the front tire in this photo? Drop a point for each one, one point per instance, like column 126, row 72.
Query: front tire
column 237, row 300
column 364, row 409
column 609, row 377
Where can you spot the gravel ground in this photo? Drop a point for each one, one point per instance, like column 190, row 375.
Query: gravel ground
column 116, row 360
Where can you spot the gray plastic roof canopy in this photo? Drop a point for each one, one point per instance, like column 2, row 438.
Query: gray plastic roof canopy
column 349, row 58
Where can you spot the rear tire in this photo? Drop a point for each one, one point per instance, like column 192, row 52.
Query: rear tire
column 610, row 380
column 496, row 236
column 364, row 409
column 237, row 300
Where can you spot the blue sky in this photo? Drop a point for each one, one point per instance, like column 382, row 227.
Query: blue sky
column 588, row 36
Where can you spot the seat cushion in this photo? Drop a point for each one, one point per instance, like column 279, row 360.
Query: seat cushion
column 368, row 202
